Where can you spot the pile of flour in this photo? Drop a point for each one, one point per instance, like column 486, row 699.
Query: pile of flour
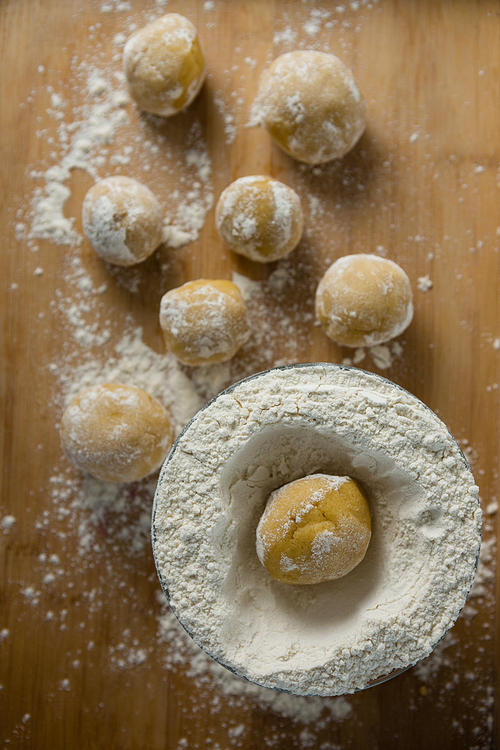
column 339, row 636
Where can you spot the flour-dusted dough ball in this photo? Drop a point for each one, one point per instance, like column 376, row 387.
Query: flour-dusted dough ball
column 259, row 218
column 364, row 300
column 311, row 105
column 122, row 220
column 164, row 65
column 117, row 433
column 314, row 529
column 204, row 321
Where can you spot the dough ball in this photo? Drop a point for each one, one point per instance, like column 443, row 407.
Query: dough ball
column 310, row 104
column 164, row 65
column 204, row 321
column 122, row 220
column 259, row 218
column 314, row 529
column 116, row 433
column 364, row 300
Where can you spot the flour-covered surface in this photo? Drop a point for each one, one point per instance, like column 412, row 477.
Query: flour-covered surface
column 90, row 655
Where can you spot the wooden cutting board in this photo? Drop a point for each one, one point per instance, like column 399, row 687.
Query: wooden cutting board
column 88, row 654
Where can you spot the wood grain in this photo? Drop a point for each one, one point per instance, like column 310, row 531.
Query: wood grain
column 423, row 183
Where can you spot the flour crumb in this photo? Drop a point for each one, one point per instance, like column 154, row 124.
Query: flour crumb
column 230, row 128
column 492, row 508
column 424, row 283
column 381, row 356
column 287, row 36
column 485, row 573
column 174, row 236
column 120, row 6
column 237, row 731
column 359, row 356
column 7, row 523
column 247, row 287
column 119, row 40
column 312, row 28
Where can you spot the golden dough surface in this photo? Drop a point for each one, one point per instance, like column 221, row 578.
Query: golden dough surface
column 117, row 433
column 364, row 300
column 164, row 65
column 314, row 529
column 204, row 321
column 260, row 218
column 122, row 220
column 311, row 105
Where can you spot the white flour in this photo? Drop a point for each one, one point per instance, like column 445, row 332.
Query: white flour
column 135, row 363
column 294, row 707
column 84, row 135
column 89, row 523
column 341, row 635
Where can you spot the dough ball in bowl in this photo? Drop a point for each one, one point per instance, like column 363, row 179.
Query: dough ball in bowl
column 364, row 300
column 117, row 433
column 311, row 105
column 204, row 321
column 314, row 529
column 164, row 65
column 259, row 218
column 122, row 220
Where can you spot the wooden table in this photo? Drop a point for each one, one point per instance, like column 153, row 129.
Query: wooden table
column 88, row 656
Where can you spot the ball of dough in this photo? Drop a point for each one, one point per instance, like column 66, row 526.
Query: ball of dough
column 314, row 529
column 364, row 300
column 204, row 321
column 122, row 220
column 310, row 104
column 259, row 218
column 117, row 433
column 164, row 65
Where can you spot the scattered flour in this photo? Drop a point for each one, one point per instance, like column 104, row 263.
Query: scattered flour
column 83, row 137
column 315, row 711
column 135, row 363
column 228, row 119
column 101, row 532
column 382, row 355
column 92, row 127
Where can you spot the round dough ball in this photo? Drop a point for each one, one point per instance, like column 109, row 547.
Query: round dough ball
column 310, row 104
column 122, row 220
column 259, row 218
column 117, row 433
column 364, row 300
column 204, row 321
column 314, row 529
column 164, row 65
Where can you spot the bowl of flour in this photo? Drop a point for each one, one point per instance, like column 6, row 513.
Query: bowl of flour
column 338, row 636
